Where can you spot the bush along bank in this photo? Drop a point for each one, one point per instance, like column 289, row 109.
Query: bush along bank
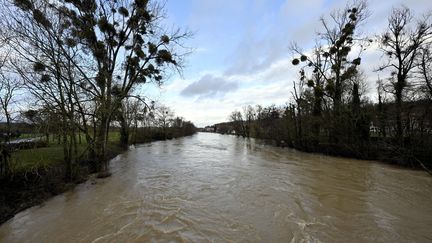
column 362, row 134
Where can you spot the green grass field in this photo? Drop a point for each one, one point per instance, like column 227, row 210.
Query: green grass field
column 30, row 135
column 53, row 154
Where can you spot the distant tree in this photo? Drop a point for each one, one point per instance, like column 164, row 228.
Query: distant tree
column 266, row 119
column 128, row 115
column 9, row 88
column 425, row 71
column 164, row 118
column 249, row 116
column 239, row 126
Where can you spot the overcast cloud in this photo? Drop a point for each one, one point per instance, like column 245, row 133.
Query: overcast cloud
column 209, row 86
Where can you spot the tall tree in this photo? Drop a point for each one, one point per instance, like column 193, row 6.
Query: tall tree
column 124, row 43
column 334, row 61
column 402, row 43
column 425, row 71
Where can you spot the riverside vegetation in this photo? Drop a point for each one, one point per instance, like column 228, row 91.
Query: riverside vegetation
column 80, row 66
column 330, row 112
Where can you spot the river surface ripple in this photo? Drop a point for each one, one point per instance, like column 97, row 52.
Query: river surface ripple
column 219, row 188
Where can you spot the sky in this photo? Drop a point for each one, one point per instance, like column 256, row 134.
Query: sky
column 241, row 51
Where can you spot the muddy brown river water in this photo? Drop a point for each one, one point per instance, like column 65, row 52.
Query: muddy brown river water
column 219, row 188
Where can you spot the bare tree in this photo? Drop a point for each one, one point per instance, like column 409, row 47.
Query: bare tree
column 330, row 66
column 298, row 96
column 164, row 118
column 402, row 44
column 128, row 115
column 250, row 117
column 96, row 52
column 425, row 71
column 239, row 124
column 8, row 92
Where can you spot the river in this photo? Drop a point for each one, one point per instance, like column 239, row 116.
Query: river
column 219, row 188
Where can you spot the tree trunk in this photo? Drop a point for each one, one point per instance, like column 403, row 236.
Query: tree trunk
column 100, row 145
column 66, row 156
column 124, row 132
column 299, row 123
column 382, row 118
column 317, row 115
column 399, row 126
column 135, row 131
column 337, row 103
column 8, row 127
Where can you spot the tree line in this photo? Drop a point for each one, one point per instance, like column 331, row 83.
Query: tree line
column 330, row 111
column 77, row 68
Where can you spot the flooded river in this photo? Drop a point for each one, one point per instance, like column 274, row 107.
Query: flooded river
column 218, row 188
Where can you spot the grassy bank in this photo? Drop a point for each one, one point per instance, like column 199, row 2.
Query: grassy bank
column 38, row 173
column 52, row 155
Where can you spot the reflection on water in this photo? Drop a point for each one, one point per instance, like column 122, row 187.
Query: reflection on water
column 211, row 187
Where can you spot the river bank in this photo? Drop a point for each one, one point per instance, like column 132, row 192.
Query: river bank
column 28, row 188
column 376, row 149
